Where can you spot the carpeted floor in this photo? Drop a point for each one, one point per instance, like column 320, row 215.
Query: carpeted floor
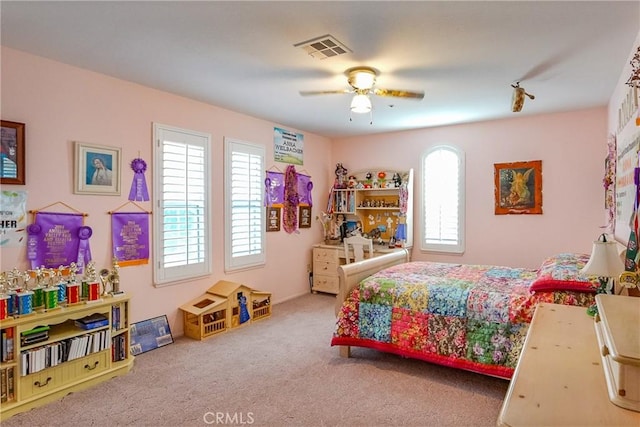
column 280, row 371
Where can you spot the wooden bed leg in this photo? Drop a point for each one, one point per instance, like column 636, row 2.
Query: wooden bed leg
column 345, row 351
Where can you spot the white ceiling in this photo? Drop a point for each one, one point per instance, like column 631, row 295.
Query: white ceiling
column 240, row 55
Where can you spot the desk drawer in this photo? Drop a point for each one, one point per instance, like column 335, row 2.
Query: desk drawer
column 328, row 268
column 325, row 255
column 328, row 284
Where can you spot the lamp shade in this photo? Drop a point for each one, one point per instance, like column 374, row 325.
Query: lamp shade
column 360, row 104
column 604, row 260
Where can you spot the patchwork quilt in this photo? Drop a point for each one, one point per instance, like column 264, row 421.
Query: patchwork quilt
column 473, row 317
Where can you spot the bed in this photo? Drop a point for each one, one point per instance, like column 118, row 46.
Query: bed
column 472, row 317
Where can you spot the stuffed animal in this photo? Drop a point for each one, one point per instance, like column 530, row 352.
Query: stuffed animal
column 341, row 173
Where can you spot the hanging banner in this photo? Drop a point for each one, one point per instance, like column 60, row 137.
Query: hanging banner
column 54, row 239
column 304, row 189
column 288, row 147
column 274, row 189
column 130, row 237
column 13, row 219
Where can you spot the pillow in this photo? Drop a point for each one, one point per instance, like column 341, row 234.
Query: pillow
column 562, row 273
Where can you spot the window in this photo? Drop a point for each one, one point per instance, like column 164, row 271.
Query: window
column 244, row 206
column 181, row 221
column 443, row 200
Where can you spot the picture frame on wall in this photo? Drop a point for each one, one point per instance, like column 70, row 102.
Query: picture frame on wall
column 12, row 154
column 273, row 218
column 518, row 187
column 97, row 169
column 304, row 216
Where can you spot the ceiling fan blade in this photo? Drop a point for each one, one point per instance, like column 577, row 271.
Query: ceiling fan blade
column 323, row 92
column 398, row 93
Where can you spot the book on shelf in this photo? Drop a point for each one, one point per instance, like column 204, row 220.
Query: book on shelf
column 3, row 385
column 96, row 320
column 7, row 389
column 34, row 335
column 7, row 344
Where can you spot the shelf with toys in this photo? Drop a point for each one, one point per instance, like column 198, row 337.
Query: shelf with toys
column 376, row 203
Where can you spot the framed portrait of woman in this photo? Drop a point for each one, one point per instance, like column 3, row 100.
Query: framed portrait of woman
column 97, row 169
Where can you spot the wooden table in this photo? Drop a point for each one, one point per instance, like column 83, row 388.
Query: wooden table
column 559, row 379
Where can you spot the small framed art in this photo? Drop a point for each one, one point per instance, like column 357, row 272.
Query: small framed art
column 304, row 217
column 273, row 218
column 150, row 334
column 12, row 155
column 97, row 169
column 518, row 187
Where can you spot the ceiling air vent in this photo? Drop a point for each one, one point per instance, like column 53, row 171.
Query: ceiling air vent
column 323, row 47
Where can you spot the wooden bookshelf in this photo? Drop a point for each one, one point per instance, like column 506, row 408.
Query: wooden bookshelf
column 70, row 358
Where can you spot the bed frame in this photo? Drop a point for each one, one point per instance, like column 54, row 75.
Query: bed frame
column 350, row 275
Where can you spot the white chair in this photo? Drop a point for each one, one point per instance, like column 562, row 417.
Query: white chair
column 357, row 244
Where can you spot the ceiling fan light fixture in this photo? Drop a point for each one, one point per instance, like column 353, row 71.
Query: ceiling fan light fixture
column 362, row 78
column 360, row 104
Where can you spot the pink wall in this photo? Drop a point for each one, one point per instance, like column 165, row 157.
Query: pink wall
column 572, row 147
column 60, row 104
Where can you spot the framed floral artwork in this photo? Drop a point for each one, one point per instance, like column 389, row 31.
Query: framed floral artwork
column 518, row 187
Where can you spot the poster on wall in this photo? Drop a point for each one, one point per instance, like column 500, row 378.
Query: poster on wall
column 626, row 163
column 13, row 219
column 288, row 147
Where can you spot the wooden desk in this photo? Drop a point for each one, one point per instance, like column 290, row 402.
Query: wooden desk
column 559, row 379
column 327, row 259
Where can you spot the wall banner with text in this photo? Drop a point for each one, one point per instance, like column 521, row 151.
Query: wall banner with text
column 288, row 147
column 13, row 218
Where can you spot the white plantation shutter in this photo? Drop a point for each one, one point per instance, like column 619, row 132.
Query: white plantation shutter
column 443, row 200
column 244, row 205
column 182, row 227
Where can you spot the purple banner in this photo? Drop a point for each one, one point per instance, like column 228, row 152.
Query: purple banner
column 130, row 237
column 54, row 240
column 304, row 189
column 274, row 188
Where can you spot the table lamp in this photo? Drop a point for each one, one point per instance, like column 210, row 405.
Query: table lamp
column 606, row 264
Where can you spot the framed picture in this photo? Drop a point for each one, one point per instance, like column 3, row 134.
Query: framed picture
column 273, row 218
column 304, row 217
column 518, row 187
column 97, row 169
column 12, row 156
column 150, row 334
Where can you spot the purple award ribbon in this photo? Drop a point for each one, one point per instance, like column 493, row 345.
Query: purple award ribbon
column 33, row 231
column 84, row 251
column 139, row 189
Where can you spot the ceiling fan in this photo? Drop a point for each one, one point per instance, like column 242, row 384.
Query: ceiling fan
column 362, row 81
column 517, row 101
